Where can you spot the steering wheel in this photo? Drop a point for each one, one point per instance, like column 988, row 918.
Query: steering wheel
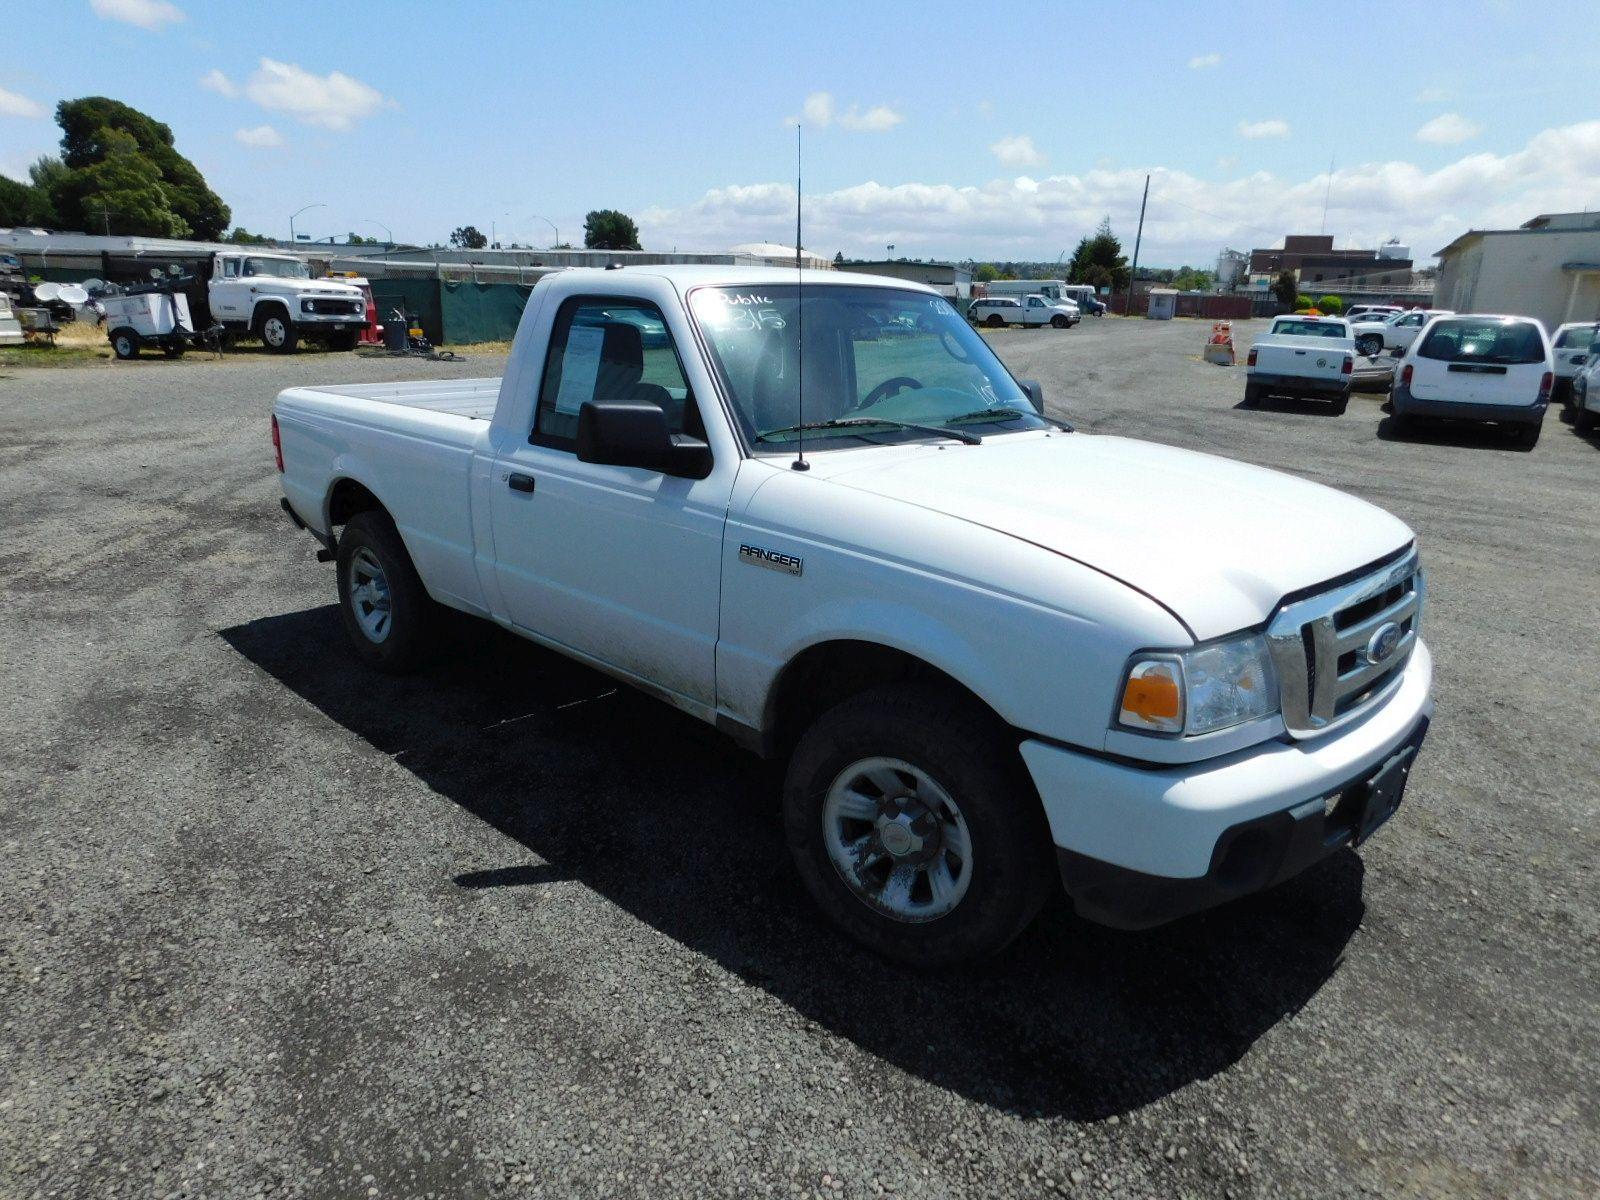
column 889, row 387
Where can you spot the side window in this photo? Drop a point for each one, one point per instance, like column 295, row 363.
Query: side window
column 230, row 268
column 610, row 349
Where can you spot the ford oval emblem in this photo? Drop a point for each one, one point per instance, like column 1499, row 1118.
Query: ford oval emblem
column 1383, row 643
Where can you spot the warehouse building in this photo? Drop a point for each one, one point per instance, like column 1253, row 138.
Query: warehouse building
column 951, row 281
column 1549, row 268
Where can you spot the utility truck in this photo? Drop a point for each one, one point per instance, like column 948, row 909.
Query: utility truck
column 273, row 297
column 996, row 657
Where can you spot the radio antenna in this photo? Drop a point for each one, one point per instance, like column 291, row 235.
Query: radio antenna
column 800, row 463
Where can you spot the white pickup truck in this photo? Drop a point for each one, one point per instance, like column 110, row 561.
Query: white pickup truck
column 1310, row 358
column 997, row 656
column 273, row 297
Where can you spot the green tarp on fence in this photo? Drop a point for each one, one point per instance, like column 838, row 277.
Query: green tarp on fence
column 482, row 312
column 452, row 313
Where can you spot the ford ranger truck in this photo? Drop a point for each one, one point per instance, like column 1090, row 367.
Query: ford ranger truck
column 995, row 656
column 1306, row 358
column 273, row 297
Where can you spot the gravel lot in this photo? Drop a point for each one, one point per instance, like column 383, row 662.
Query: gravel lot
column 269, row 925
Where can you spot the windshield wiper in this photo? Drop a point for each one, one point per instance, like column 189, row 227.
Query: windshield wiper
column 960, row 435
column 1006, row 414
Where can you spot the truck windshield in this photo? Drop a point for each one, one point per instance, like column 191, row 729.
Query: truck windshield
column 906, row 358
column 280, row 268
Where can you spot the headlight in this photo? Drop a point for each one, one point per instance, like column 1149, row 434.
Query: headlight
column 1200, row 690
column 308, row 306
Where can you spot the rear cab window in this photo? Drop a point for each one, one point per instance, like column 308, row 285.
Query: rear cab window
column 1470, row 340
column 1327, row 329
column 1576, row 339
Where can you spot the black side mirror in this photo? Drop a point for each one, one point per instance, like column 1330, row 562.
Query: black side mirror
column 631, row 433
column 1035, row 391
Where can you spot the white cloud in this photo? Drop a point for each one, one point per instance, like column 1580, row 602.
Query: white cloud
column 14, row 105
column 880, row 118
column 332, row 101
column 819, row 109
column 1448, row 129
column 1432, row 95
column 1017, row 150
column 1189, row 217
column 146, row 14
column 1276, row 127
column 1202, row 62
column 263, row 137
column 215, row 81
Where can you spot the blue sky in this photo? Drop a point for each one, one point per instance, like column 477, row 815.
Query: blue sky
column 950, row 130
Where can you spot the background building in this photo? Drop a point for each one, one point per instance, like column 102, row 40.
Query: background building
column 1317, row 264
column 1548, row 269
column 952, row 281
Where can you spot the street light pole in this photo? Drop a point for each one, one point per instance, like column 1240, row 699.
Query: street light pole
column 387, row 232
column 296, row 213
column 552, row 225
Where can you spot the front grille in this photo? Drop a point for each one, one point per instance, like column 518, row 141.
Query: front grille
column 340, row 307
column 1340, row 650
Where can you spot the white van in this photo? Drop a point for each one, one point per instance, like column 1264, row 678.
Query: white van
column 1083, row 295
column 1477, row 368
column 1053, row 290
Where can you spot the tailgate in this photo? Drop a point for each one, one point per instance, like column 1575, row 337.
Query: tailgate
column 1309, row 361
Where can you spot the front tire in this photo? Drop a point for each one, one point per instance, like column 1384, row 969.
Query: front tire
column 344, row 341
column 1059, row 323
column 914, row 827
column 386, row 611
column 278, row 332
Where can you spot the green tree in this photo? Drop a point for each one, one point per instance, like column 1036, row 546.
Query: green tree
column 1098, row 259
column 123, row 191
column 1302, row 301
column 89, row 133
column 17, row 202
column 1285, row 287
column 608, row 229
column 468, row 237
column 244, row 237
column 838, row 256
column 986, row 273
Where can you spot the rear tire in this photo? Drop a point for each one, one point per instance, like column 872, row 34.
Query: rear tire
column 1528, row 435
column 994, row 321
column 1583, row 419
column 125, row 343
column 1252, row 395
column 1339, row 405
column 386, row 611
column 981, row 864
column 1369, row 345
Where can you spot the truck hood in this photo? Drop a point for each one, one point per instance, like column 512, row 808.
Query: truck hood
column 306, row 287
column 1217, row 542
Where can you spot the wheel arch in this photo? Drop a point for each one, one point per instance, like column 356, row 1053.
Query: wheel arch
column 263, row 305
column 348, row 496
column 828, row 672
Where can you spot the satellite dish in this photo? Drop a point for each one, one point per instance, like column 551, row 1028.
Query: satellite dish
column 46, row 292
column 74, row 293
column 93, row 285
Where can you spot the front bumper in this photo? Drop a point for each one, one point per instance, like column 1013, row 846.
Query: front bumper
column 1139, row 846
column 1407, row 405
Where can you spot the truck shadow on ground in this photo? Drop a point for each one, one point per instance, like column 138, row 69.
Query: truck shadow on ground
column 659, row 814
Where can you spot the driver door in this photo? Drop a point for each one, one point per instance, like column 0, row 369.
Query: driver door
column 621, row 564
column 226, row 292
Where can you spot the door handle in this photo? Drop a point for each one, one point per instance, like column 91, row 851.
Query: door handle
column 520, row 483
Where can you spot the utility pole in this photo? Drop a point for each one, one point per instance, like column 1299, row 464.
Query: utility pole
column 1138, row 237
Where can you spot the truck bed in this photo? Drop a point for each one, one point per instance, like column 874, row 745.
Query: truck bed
column 473, row 398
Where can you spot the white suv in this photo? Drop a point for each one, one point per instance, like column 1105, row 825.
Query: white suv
column 1585, row 397
column 1570, row 345
column 1477, row 368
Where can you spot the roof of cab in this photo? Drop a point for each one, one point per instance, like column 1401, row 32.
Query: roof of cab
column 689, row 276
